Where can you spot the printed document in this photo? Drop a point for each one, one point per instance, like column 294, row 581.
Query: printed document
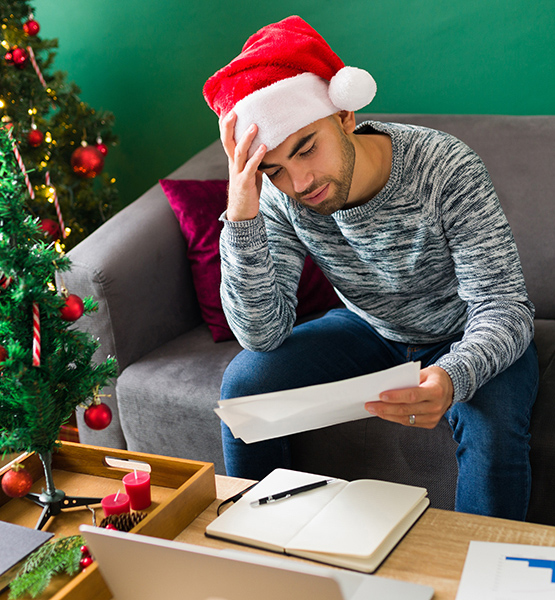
column 498, row 571
column 266, row 416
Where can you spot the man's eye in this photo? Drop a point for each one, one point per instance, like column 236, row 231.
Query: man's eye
column 274, row 174
column 309, row 151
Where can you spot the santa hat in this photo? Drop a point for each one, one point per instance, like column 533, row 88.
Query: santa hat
column 285, row 78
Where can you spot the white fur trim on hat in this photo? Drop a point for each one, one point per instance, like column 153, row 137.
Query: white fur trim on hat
column 283, row 108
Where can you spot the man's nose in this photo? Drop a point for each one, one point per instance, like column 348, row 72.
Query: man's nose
column 301, row 180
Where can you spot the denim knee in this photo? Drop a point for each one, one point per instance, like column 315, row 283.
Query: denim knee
column 252, row 373
column 234, row 381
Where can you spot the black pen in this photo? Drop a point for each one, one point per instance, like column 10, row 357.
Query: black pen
column 293, row 492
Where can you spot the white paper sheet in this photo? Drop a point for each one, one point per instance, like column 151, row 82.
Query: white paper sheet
column 266, row 416
column 499, row 571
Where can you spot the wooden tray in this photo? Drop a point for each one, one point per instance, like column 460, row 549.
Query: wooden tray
column 181, row 489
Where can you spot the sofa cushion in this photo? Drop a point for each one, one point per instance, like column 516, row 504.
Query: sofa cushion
column 198, row 206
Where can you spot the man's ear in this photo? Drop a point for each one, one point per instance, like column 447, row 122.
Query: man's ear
column 346, row 119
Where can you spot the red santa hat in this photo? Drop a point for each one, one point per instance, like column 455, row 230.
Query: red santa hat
column 285, row 78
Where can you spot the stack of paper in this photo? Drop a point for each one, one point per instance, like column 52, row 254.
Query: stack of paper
column 266, row 416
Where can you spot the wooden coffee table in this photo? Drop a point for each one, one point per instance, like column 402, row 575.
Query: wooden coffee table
column 432, row 553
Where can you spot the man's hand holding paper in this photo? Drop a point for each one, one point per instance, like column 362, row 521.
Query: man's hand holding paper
column 422, row 406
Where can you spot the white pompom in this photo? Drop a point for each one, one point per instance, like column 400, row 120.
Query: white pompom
column 352, row 88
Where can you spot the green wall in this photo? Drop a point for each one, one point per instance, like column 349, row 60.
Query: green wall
column 147, row 60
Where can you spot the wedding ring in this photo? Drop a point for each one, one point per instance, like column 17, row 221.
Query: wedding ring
column 412, row 419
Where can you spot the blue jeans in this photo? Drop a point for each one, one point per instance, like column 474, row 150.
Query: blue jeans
column 491, row 429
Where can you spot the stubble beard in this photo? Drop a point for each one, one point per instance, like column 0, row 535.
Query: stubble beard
column 340, row 186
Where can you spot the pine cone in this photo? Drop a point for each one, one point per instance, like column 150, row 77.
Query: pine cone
column 123, row 522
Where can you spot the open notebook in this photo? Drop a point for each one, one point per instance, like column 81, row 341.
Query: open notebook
column 348, row 524
column 136, row 566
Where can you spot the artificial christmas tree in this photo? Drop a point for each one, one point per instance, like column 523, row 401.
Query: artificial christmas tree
column 61, row 141
column 46, row 367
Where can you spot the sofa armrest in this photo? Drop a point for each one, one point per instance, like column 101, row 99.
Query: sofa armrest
column 136, row 267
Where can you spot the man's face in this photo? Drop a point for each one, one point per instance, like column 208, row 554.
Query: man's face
column 314, row 166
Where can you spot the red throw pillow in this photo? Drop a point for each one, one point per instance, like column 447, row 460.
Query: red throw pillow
column 198, row 206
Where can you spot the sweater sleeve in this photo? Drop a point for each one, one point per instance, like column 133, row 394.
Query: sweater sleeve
column 500, row 317
column 259, row 280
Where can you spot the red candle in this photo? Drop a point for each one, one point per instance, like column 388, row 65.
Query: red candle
column 137, row 485
column 115, row 504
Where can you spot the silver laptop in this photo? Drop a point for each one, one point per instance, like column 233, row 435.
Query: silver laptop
column 136, row 566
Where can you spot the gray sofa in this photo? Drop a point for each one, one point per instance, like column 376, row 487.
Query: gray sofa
column 170, row 369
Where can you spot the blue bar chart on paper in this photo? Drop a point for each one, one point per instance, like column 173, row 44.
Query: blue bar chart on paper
column 496, row 571
column 537, row 563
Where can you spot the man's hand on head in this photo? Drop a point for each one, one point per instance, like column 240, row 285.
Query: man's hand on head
column 245, row 180
column 422, row 406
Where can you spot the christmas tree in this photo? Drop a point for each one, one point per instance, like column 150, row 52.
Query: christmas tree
column 61, row 141
column 46, row 367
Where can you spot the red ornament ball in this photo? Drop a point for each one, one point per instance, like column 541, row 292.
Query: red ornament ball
column 87, row 161
column 50, row 228
column 102, row 148
column 98, row 416
column 31, row 27
column 35, row 138
column 73, row 308
column 3, row 354
column 17, row 482
column 20, row 57
column 85, row 562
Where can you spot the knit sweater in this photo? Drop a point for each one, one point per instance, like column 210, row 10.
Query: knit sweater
column 430, row 256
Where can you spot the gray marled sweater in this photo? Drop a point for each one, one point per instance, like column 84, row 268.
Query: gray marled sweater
column 431, row 255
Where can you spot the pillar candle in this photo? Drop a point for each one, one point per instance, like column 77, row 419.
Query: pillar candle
column 115, row 504
column 137, row 485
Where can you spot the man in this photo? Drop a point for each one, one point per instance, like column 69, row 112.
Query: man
column 405, row 223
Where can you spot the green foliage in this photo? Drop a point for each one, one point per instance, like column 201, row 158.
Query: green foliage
column 66, row 121
column 36, row 400
column 59, row 556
